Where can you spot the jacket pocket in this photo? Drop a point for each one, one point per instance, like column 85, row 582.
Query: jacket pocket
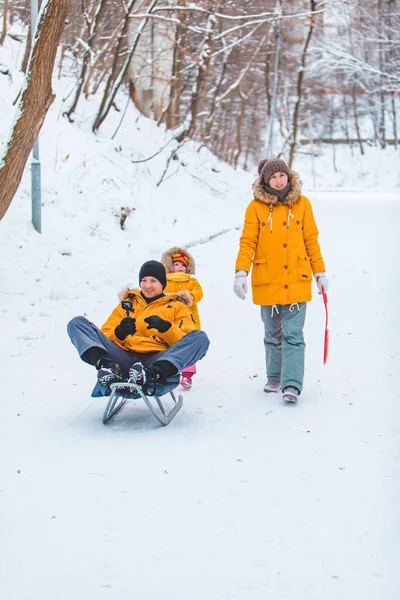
column 304, row 268
column 260, row 271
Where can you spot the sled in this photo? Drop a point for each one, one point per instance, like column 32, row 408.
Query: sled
column 117, row 400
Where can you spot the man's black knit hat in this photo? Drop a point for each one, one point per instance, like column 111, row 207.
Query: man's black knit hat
column 153, row 268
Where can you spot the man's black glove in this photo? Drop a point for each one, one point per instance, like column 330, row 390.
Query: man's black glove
column 126, row 327
column 158, row 323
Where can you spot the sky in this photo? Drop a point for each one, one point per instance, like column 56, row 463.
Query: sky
column 241, row 496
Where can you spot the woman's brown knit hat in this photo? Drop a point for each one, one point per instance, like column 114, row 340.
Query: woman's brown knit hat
column 270, row 166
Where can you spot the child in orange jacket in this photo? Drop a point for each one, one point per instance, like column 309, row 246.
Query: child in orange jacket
column 180, row 267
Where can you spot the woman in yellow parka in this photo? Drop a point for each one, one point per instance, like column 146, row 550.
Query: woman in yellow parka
column 180, row 267
column 280, row 244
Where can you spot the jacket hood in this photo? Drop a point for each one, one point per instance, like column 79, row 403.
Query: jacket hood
column 167, row 261
column 271, row 200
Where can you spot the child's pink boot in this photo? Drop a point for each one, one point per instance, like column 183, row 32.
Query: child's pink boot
column 186, row 382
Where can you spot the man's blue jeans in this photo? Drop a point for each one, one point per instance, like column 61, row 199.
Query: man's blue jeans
column 191, row 348
column 284, row 343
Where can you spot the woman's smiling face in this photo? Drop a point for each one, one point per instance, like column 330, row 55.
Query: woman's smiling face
column 278, row 181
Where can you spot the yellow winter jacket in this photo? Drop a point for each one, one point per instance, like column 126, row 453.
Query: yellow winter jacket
column 280, row 242
column 181, row 282
column 171, row 308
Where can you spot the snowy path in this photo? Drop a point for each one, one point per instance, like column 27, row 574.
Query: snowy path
column 240, row 497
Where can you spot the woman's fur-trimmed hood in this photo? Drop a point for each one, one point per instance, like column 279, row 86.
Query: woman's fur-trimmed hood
column 167, row 261
column 271, row 200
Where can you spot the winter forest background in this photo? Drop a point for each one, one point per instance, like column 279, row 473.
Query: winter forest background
column 213, row 71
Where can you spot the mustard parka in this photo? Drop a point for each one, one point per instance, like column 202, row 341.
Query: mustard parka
column 280, row 242
column 171, row 308
column 184, row 284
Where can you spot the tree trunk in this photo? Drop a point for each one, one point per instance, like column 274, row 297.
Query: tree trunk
column 267, row 78
column 28, row 46
column 92, row 30
column 382, row 124
column 172, row 114
column 213, row 104
column 382, row 60
column 270, row 143
column 238, row 150
column 5, row 14
column 332, row 129
column 63, row 52
column 391, row 10
column 356, row 121
column 394, row 116
column 98, row 69
column 346, row 121
column 35, row 100
column 300, row 77
column 117, row 76
column 114, row 70
column 203, row 62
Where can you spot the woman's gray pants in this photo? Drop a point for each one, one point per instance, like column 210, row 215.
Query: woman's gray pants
column 284, row 343
column 191, row 348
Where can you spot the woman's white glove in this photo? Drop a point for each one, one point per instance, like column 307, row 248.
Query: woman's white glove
column 240, row 284
column 322, row 282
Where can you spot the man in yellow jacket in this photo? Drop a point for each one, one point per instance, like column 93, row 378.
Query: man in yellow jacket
column 280, row 244
column 149, row 346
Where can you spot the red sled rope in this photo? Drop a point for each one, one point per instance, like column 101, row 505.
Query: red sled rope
column 326, row 336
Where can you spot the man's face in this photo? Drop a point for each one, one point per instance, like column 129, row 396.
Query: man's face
column 151, row 287
column 278, row 181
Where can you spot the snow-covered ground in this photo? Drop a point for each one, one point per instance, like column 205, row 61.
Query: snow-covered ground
column 240, row 497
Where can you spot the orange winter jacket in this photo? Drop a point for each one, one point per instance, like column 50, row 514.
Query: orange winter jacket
column 171, row 308
column 280, row 243
column 183, row 282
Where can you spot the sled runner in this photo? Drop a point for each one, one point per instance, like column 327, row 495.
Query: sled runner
column 117, row 400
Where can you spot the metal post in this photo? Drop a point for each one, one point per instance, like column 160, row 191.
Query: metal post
column 35, row 164
column 270, row 146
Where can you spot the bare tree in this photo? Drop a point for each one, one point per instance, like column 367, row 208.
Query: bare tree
column 197, row 61
column 35, row 100
column 300, row 78
column 91, row 25
column 27, row 52
column 273, row 100
column 118, row 73
column 4, row 32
